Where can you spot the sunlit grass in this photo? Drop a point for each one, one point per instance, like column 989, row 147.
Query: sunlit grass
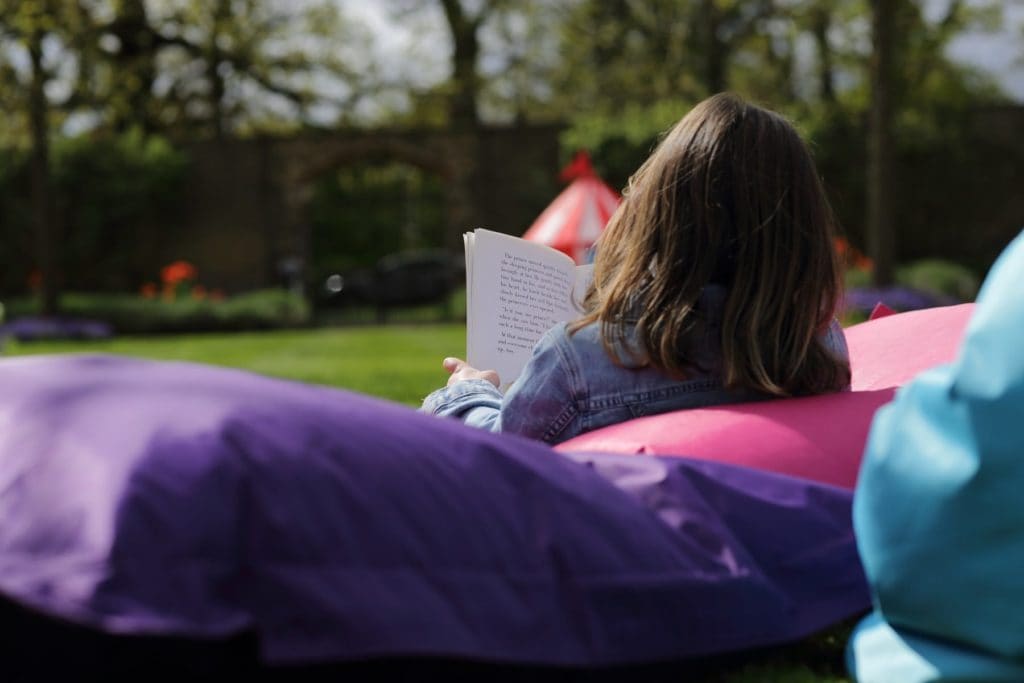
column 401, row 363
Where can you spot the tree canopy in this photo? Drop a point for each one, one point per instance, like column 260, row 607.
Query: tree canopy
column 615, row 72
column 215, row 67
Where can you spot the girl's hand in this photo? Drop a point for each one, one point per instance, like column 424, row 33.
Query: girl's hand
column 461, row 371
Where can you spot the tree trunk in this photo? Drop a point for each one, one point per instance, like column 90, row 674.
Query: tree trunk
column 464, row 122
column 137, row 58
column 880, row 236
column 466, row 48
column 714, row 50
column 221, row 17
column 43, row 223
column 821, row 22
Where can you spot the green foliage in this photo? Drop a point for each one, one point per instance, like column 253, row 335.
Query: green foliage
column 620, row 142
column 261, row 309
column 940, row 277
column 619, row 95
column 836, row 136
column 937, row 276
column 16, row 248
column 857, row 277
column 619, row 72
column 362, row 213
column 187, row 66
column 119, row 197
column 242, row 62
column 452, row 309
column 35, row 35
column 131, row 314
column 618, row 53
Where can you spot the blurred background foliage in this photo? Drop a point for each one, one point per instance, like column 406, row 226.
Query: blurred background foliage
column 360, row 214
column 101, row 99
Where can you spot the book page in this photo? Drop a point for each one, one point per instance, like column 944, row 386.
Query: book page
column 518, row 291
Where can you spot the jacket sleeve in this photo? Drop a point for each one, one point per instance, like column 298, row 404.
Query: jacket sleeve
column 539, row 404
column 474, row 401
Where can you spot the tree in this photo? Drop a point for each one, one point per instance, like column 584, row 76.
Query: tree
column 464, row 90
column 620, row 52
column 464, row 28
column 488, row 28
column 216, row 67
column 880, row 150
column 819, row 19
column 918, row 99
column 182, row 66
column 130, row 44
column 647, row 52
column 31, row 32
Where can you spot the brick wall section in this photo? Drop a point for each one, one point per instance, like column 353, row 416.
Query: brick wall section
column 245, row 200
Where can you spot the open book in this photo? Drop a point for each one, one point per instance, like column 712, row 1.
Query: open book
column 515, row 291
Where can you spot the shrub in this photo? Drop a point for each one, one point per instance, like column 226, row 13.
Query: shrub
column 132, row 314
column 940, row 277
column 921, row 284
column 116, row 201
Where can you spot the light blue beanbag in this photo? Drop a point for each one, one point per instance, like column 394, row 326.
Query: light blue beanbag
column 939, row 508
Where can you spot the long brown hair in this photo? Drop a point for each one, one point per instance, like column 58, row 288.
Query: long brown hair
column 730, row 197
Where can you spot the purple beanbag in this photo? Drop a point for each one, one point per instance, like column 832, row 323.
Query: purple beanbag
column 141, row 497
column 820, row 437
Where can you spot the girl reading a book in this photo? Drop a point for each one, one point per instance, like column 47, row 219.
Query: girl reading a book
column 716, row 281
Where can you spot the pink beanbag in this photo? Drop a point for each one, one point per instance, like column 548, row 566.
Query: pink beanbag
column 818, row 437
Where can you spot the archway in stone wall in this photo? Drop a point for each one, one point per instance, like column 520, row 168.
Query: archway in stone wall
column 364, row 212
column 247, row 203
column 351, row 200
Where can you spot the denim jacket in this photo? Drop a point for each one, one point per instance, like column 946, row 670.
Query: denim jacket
column 570, row 384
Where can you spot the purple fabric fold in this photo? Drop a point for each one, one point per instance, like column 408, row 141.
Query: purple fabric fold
column 171, row 498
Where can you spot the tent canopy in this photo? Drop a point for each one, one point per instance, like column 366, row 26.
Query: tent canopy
column 575, row 219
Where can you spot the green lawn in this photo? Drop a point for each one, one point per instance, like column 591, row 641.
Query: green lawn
column 403, row 363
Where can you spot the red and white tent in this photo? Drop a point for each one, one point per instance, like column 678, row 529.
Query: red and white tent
column 575, row 219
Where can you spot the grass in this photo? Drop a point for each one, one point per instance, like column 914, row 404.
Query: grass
column 403, row 363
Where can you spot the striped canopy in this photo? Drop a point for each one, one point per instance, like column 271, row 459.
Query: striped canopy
column 575, row 219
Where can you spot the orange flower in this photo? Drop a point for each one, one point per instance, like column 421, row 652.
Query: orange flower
column 178, row 271
column 148, row 290
column 198, row 292
column 862, row 262
column 852, row 257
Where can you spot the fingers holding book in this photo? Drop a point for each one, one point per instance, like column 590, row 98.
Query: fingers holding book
column 461, row 371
